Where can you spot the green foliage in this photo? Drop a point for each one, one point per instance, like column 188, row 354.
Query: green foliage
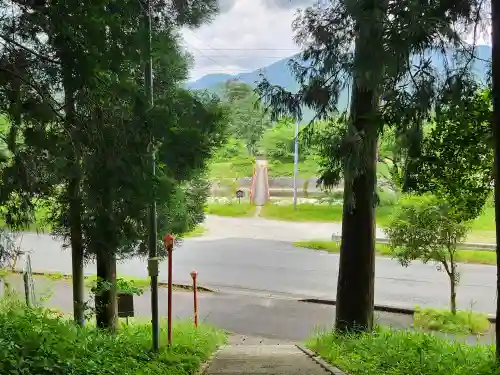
column 427, row 228
column 38, row 341
column 392, row 352
column 330, row 143
column 114, row 179
column 82, row 128
column 233, row 148
column 457, row 156
column 99, row 286
column 248, row 121
column 463, row 322
column 278, row 142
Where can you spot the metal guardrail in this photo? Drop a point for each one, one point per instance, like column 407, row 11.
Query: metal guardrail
column 465, row 245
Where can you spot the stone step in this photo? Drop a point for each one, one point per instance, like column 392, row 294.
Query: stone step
column 263, row 360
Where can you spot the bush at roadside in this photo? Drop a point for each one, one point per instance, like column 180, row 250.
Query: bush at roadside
column 37, row 341
column 463, row 322
column 401, row 352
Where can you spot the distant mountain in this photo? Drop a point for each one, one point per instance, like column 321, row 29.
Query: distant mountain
column 279, row 73
column 210, row 81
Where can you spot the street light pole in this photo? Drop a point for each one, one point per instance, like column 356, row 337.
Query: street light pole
column 295, row 164
column 152, row 235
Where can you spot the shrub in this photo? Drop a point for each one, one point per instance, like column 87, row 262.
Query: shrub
column 464, row 322
column 403, row 352
column 37, row 341
column 427, row 228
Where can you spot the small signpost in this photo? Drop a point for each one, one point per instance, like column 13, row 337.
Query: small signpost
column 125, row 305
column 29, row 285
column 240, row 194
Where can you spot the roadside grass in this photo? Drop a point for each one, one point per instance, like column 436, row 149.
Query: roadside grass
column 463, row 322
column 463, row 256
column 90, row 280
column 402, row 352
column 198, row 231
column 231, row 209
column 42, row 342
column 316, row 212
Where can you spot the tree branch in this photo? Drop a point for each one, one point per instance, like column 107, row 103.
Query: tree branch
column 29, row 50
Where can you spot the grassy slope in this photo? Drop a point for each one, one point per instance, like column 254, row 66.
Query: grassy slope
column 463, row 256
column 231, row 210
column 389, row 352
column 41, row 343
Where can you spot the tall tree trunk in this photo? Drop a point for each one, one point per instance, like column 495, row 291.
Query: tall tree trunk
column 355, row 287
column 453, row 295
column 77, row 258
column 453, row 285
column 106, row 244
column 106, row 304
column 495, row 41
column 74, row 190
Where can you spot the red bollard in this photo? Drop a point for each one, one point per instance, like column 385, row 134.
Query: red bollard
column 194, row 274
column 168, row 241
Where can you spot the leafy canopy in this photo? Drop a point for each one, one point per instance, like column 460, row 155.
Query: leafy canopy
column 457, row 154
column 426, row 228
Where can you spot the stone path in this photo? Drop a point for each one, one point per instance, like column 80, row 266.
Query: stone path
column 263, row 360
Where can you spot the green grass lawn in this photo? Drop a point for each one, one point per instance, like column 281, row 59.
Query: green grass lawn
column 42, row 342
column 315, row 212
column 232, row 209
column 463, row 256
column 403, row 352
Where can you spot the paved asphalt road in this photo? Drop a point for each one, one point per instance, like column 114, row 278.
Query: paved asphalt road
column 271, row 318
column 242, row 262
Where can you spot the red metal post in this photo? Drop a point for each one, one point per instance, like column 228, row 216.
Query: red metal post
column 169, row 312
column 169, row 244
column 194, row 274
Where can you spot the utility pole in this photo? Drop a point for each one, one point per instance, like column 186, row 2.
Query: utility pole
column 495, row 65
column 295, row 164
column 152, row 235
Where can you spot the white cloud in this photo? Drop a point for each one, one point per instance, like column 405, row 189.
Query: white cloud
column 247, row 35
column 250, row 34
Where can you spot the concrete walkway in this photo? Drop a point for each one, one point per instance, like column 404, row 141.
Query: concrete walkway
column 263, row 360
